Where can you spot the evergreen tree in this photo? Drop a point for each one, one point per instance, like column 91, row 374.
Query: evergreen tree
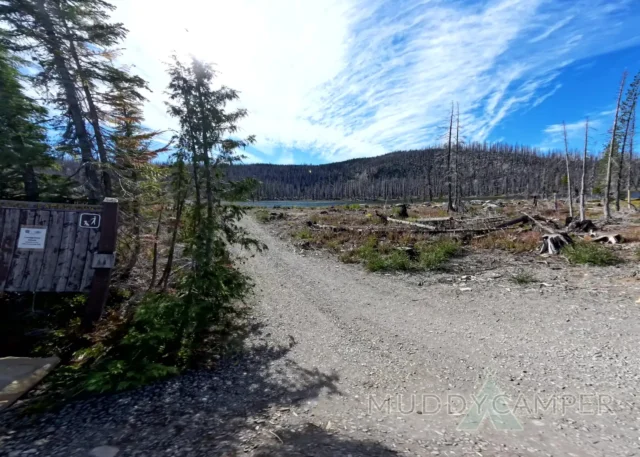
column 131, row 147
column 203, row 141
column 23, row 147
column 70, row 42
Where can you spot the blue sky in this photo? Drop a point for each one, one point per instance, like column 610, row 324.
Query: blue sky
column 329, row 80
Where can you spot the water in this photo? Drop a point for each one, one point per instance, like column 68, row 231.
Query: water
column 307, row 203
column 321, row 203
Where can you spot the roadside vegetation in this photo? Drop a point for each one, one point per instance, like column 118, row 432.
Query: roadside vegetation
column 591, row 254
column 377, row 255
column 177, row 298
column 357, row 234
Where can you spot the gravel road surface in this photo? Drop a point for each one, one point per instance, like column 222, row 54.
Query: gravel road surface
column 343, row 362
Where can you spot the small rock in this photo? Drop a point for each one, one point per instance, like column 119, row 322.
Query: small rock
column 104, row 451
column 465, row 289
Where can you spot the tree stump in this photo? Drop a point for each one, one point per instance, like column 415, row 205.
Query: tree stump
column 585, row 226
column 402, row 211
column 383, row 218
column 552, row 243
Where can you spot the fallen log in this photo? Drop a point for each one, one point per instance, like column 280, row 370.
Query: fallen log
column 520, row 220
column 609, row 238
column 552, row 243
column 414, row 224
column 545, row 228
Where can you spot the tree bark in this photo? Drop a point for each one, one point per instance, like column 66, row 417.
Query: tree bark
column 607, row 210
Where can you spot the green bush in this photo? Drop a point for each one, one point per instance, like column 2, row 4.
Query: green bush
column 262, row 215
column 522, row 278
column 384, row 257
column 434, row 255
column 304, row 234
column 590, row 254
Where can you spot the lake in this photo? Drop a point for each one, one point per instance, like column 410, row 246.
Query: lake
column 307, row 203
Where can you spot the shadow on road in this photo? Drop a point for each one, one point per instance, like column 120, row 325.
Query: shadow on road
column 237, row 409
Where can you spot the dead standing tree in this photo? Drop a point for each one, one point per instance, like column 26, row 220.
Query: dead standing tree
column 633, row 131
column 449, row 186
column 607, row 190
column 566, row 157
column 584, row 171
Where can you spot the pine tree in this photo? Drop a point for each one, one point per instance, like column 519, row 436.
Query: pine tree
column 131, row 147
column 612, row 144
column 627, row 110
column 23, row 147
column 34, row 30
column 70, row 42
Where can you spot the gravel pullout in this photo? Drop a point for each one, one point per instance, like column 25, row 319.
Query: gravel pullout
column 344, row 362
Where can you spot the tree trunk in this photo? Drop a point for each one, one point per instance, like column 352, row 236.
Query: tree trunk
column 633, row 131
column 584, row 171
column 621, row 157
column 93, row 117
column 154, row 266
column 30, row 179
column 457, row 199
column 607, row 211
column 207, row 173
column 566, row 156
column 449, row 199
column 137, row 242
column 54, row 45
column 164, row 280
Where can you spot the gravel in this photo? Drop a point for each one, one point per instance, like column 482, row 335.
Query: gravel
column 330, row 342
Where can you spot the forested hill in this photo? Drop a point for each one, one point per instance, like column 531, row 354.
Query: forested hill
column 480, row 169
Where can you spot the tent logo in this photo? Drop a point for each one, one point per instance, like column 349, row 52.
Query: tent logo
column 491, row 404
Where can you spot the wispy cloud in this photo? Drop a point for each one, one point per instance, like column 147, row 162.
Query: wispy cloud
column 350, row 78
column 542, row 98
column 557, row 26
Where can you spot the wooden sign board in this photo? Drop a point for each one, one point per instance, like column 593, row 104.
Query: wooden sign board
column 55, row 247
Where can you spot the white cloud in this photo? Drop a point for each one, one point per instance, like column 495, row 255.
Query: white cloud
column 543, row 97
column 351, row 78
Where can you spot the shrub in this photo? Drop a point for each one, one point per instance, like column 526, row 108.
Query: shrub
column 262, row 215
column 304, row 234
column 523, row 278
column 385, row 257
column 434, row 255
column 590, row 254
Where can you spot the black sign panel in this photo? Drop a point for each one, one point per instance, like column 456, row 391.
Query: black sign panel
column 88, row 220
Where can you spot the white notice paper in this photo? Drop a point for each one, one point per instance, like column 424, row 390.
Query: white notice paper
column 32, row 238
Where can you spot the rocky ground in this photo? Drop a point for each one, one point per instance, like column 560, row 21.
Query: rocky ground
column 344, row 362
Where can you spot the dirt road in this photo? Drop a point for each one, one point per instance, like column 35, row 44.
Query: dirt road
column 571, row 351
column 344, row 362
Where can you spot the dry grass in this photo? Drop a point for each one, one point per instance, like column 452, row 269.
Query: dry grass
column 631, row 234
column 508, row 241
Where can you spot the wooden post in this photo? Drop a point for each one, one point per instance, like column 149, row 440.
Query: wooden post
column 103, row 262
